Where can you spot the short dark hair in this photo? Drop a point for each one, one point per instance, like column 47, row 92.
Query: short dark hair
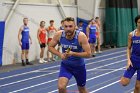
column 51, row 21
column 91, row 19
column 69, row 19
column 80, row 21
column 97, row 17
column 25, row 18
column 136, row 19
column 42, row 22
column 62, row 21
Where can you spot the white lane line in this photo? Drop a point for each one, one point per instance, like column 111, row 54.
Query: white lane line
column 59, row 65
column 105, row 82
column 105, row 86
column 107, row 55
column 46, row 71
column 107, row 65
column 129, row 91
column 105, row 59
column 106, row 69
column 67, row 86
column 33, row 86
column 39, row 84
column 90, row 79
column 28, row 72
column 56, row 72
column 8, row 84
column 95, row 68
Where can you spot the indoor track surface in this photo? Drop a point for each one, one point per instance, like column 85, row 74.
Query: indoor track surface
column 103, row 74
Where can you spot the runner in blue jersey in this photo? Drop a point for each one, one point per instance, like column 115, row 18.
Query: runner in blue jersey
column 133, row 56
column 75, row 47
column 60, row 28
column 91, row 34
column 62, row 25
column 80, row 27
column 23, row 38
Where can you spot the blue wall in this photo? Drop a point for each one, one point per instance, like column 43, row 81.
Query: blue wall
column 2, row 28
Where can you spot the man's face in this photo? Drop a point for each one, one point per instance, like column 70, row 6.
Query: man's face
column 80, row 24
column 69, row 27
column 25, row 21
column 93, row 22
column 138, row 23
column 62, row 23
column 42, row 24
column 51, row 23
column 97, row 19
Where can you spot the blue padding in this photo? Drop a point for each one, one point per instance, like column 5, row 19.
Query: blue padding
column 2, row 28
column 85, row 23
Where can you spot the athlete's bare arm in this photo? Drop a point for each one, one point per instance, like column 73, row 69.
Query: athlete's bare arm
column 38, row 32
column 87, row 31
column 97, row 28
column 55, row 30
column 53, row 43
column 19, row 35
column 129, row 50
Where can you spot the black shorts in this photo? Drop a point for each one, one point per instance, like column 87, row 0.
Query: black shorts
column 42, row 45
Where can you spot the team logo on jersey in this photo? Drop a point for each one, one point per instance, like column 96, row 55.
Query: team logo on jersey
column 136, row 41
column 69, row 46
column 26, row 30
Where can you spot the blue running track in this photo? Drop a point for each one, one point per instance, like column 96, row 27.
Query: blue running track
column 103, row 74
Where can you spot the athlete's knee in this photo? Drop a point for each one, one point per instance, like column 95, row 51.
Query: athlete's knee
column 61, row 88
column 27, row 52
column 124, row 81
column 42, row 51
column 98, row 43
column 137, row 86
column 23, row 52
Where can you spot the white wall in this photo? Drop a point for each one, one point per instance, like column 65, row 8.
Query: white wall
column 85, row 9
column 1, row 10
column 88, row 9
column 35, row 13
column 69, row 2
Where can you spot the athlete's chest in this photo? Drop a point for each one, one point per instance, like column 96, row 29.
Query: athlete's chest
column 73, row 44
column 43, row 31
column 136, row 40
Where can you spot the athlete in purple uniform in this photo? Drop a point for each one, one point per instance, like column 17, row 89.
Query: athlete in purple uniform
column 75, row 47
column 23, row 38
column 60, row 28
column 133, row 56
column 80, row 27
column 91, row 35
